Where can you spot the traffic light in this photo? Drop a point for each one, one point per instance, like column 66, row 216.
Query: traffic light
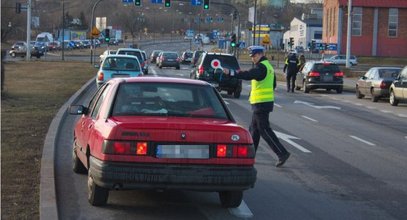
column 233, row 41
column 137, row 2
column 167, row 3
column 206, row 4
column 291, row 42
column 107, row 35
column 18, row 8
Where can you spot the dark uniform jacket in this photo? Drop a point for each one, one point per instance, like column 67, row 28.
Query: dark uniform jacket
column 291, row 65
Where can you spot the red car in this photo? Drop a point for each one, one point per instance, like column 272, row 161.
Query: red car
column 161, row 133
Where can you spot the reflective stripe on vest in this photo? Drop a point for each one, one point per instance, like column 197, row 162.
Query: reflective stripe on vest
column 263, row 91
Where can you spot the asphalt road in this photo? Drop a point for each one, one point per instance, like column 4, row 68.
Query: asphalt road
column 348, row 162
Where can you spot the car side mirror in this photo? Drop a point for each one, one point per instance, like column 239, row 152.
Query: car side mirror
column 78, row 110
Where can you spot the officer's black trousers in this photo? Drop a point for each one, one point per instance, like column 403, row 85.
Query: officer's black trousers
column 260, row 126
column 291, row 77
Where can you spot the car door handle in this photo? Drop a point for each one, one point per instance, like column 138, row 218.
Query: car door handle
column 90, row 126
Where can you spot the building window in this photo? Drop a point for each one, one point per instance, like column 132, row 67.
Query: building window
column 357, row 21
column 393, row 21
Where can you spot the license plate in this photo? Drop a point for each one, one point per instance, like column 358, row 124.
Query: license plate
column 170, row 60
column 328, row 78
column 183, row 151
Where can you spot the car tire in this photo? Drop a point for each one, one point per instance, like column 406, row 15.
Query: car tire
column 392, row 100
column 236, row 94
column 178, row 67
column 358, row 94
column 230, row 92
column 373, row 97
column 97, row 196
column 160, row 66
column 77, row 165
column 13, row 55
column 306, row 89
column 339, row 90
column 230, row 199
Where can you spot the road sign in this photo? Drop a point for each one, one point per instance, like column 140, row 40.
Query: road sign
column 95, row 32
column 196, row 2
column 127, row 1
column 101, row 23
column 215, row 63
column 266, row 40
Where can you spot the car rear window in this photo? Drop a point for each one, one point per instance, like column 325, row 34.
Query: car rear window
column 168, row 100
column 326, row 67
column 225, row 61
column 389, row 73
column 170, row 55
column 133, row 53
column 121, row 63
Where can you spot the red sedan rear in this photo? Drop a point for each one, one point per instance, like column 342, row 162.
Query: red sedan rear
column 162, row 133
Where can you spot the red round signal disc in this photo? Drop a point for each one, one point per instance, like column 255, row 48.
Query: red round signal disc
column 216, row 64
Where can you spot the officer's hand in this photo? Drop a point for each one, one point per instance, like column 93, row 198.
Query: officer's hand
column 226, row 71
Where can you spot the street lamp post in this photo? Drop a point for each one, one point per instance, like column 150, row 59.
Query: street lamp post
column 91, row 27
column 348, row 36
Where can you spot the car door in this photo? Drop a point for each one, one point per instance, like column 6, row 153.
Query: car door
column 87, row 124
column 403, row 83
column 371, row 80
column 301, row 75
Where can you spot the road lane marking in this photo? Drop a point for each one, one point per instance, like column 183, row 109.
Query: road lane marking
column 402, row 115
column 370, row 107
column 357, row 103
column 316, row 106
column 311, row 119
column 242, row 211
column 385, row 111
column 361, row 140
column 287, row 138
column 278, row 105
column 154, row 72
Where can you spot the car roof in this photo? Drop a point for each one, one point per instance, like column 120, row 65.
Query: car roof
column 221, row 54
column 148, row 79
column 128, row 49
column 386, row 67
column 121, row 56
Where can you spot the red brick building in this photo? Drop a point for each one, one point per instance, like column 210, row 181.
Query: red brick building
column 379, row 27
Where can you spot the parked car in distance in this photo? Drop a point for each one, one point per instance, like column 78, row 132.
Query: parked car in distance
column 115, row 66
column 320, row 75
column 341, row 60
column 19, row 48
column 135, row 52
column 376, row 82
column 206, row 71
column 186, row 57
column 169, row 59
column 398, row 89
column 153, row 55
column 133, row 140
column 195, row 56
column 105, row 54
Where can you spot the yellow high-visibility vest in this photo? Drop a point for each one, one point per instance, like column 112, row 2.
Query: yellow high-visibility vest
column 263, row 91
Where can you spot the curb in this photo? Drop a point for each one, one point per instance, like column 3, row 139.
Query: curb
column 48, row 203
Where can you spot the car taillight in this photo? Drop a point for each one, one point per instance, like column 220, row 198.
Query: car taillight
column 101, row 76
column 200, row 70
column 313, row 74
column 383, row 85
column 125, row 147
column 234, row 151
column 142, row 64
column 339, row 74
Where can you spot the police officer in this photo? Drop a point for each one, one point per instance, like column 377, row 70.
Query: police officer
column 262, row 101
column 291, row 69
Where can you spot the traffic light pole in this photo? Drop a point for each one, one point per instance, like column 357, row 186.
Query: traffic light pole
column 91, row 27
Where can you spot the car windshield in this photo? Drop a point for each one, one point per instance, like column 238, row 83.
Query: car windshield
column 168, row 100
column 121, row 63
column 132, row 53
column 326, row 67
column 225, row 61
column 389, row 73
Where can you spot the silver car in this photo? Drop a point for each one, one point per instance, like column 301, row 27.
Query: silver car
column 398, row 89
column 376, row 82
column 341, row 60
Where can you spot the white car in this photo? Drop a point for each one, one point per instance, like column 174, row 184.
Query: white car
column 105, row 53
column 341, row 60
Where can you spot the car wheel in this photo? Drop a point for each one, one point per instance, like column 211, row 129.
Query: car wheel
column 328, row 90
column 374, row 98
column 160, row 66
column 339, row 90
column 230, row 199
column 178, row 67
column 13, row 55
column 393, row 101
column 230, row 92
column 236, row 94
column 97, row 196
column 77, row 165
column 306, row 90
column 358, row 94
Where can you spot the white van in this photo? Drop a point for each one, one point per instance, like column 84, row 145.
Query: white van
column 45, row 37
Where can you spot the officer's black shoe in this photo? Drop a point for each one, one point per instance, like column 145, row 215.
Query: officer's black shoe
column 282, row 160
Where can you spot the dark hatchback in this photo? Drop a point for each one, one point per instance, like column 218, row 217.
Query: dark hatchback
column 320, row 75
column 169, row 59
column 206, row 70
